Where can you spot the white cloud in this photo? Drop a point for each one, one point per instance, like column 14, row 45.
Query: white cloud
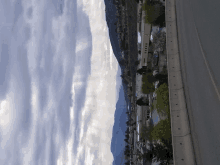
column 60, row 94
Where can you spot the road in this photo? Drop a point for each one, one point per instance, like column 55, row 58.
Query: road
column 199, row 43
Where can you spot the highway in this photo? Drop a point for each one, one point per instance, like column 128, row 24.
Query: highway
column 199, row 44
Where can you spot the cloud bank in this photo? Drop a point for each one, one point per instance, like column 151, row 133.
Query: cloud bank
column 58, row 85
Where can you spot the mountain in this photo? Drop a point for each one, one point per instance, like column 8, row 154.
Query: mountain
column 113, row 35
column 111, row 19
column 119, row 128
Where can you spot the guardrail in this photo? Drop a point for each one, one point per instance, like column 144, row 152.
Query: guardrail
column 181, row 138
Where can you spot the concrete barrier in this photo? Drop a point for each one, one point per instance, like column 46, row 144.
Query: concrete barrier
column 175, row 79
column 175, row 96
column 183, row 150
column 181, row 138
column 180, row 123
column 171, row 31
column 174, row 62
column 170, row 13
column 172, row 45
column 170, row 3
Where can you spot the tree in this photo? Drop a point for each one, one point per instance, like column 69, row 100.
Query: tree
column 129, row 74
column 162, row 79
column 153, row 10
column 127, row 163
column 159, row 152
column 163, row 152
column 127, row 130
column 160, row 21
column 126, row 152
column 148, row 80
column 123, row 2
column 144, row 70
column 124, row 80
column 137, row 62
column 122, row 62
column 127, row 112
column 142, row 101
column 127, row 122
column 137, row 1
column 150, row 43
column 163, row 99
column 146, row 132
column 132, row 124
column 151, row 48
column 126, row 140
column 123, row 44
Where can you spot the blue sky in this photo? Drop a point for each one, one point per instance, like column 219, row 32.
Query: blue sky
column 59, row 83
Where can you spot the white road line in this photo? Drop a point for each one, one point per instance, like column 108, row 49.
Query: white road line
column 207, row 65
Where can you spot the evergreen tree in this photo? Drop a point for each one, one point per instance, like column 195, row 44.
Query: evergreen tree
column 142, row 102
column 163, row 152
column 144, row 70
column 127, row 163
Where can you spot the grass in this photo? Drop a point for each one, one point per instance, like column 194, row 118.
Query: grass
column 163, row 99
column 163, row 128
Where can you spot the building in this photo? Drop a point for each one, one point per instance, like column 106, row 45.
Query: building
column 145, row 114
column 139, row 47
column 145, row 39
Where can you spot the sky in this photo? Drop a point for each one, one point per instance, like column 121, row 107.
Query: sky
column 59, row 83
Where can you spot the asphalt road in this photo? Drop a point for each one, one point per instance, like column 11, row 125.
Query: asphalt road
column 199, row 43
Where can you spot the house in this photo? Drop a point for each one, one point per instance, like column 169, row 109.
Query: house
column 145, row 39
column 145, row 115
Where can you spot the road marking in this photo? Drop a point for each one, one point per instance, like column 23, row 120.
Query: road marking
column 206, row 62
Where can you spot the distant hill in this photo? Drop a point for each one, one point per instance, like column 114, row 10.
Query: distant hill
column 111, row 19
column 119, row 128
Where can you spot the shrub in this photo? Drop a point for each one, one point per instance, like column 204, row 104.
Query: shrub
column 162, row 130
column 147, row 86
column 144, row 133
column 163, row 99
column 154, row 11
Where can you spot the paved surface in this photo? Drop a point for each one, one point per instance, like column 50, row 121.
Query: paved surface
column 201, row 82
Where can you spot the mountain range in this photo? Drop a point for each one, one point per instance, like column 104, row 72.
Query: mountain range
column 120, row 117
